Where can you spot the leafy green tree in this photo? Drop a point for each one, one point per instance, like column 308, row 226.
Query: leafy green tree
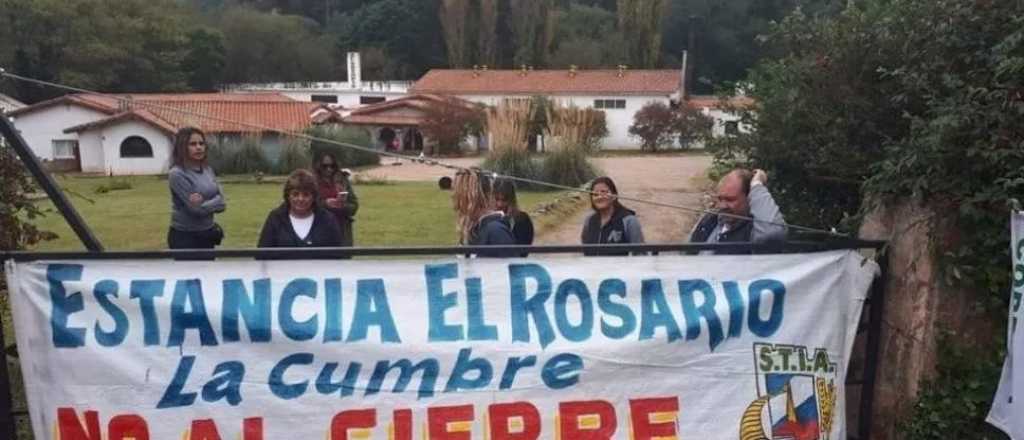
column 640, row 23
column 408, row 30
column 205, row 60
column 262, row 47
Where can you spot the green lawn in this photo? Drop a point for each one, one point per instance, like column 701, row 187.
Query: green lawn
column 398, row 214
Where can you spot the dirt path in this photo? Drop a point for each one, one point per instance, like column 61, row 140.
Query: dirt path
column 411, row 171
column 675, row 180
column 667, row 179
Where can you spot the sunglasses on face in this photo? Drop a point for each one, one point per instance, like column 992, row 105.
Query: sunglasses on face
column 191, row 143
column 329, row 166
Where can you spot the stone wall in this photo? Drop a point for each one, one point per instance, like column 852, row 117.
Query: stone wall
column 919, row 304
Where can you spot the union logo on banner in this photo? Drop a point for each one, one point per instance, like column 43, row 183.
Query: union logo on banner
column 796, row 394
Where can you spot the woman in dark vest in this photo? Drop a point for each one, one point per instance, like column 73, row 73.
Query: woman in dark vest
column 610, row 222
column 300, row 221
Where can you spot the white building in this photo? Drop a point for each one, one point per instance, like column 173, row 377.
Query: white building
column 132, row 134
column 619, row 93
column 8, row 103
column 350, row 94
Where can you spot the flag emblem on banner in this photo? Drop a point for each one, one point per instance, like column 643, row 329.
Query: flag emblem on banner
column 796, row 395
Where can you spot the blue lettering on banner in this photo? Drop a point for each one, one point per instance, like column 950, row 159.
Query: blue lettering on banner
column 580, row 332
column 706, row 311
column 147, row 291
column 478, row 329
column 63, row 305
column 189, row 293
column 625, row 315
column 372, row 310
column 522, row 309
column 254, row 310
column 654, row 312
column 766, row 328
column 102, row 290
column 293, row 329
column 439, row 301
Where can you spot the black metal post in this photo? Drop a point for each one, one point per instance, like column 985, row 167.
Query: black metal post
column 49, row 185
column 872, row 350
column 7, row 427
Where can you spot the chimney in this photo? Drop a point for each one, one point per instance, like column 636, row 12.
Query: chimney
column 476, row 71
column 522, row 70
column 572, row 71
column 355, row 71
column 682, row 77
column 622, row 70
column 125, row 104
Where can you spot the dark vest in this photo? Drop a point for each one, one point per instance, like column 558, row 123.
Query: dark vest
column 739, row 233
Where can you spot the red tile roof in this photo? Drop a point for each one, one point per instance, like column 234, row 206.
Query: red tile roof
column 705, row 101
column 599, row 82
column 377, row 114
column 212, row 112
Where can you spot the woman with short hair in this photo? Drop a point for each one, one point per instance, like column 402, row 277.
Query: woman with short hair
column 300, row 221
column 195, row 194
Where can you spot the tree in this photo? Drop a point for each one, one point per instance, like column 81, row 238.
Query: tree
column 263, row 47
column 16, row 209
column 640, row 22
column 408, row 30
column 532, row 27
column 453, row 15
column 655, row 125
column 205, row 61
column 586, row 37
column 449, row 122
column 692, row 125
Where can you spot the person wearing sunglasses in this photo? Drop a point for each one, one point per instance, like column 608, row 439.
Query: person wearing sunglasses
column 195, row 194
column 335, row 194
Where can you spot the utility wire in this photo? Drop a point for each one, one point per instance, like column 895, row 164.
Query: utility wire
column 430, row 162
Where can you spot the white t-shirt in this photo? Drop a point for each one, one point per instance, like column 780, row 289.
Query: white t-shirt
column 301, row 225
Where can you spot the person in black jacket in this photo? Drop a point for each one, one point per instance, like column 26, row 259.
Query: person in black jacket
column 300, row 221
column 506, row 202
column 478, row 222
column 610, row 223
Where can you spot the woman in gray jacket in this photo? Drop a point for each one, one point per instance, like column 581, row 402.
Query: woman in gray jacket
column 195, row 194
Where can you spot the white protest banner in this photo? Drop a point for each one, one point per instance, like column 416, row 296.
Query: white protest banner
column 711, row 347
column 1006, row 413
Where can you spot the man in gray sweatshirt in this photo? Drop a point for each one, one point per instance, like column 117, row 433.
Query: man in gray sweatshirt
column 744, row 194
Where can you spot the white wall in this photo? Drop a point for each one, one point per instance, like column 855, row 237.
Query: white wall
column 618, row 120
column 40, row 128
column 101, row 150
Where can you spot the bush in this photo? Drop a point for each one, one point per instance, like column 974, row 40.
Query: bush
column 515, row 162
column 17, row 211
column 294, row 155
column 238, row 157
column 568, row 167
column 347, row 157
column 654, row 125
column 956, row 402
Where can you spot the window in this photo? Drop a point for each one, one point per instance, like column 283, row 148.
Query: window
column 364, row 100
column 732, row 128
column 516, row 101
column 64, row 149
column 136, row 146
column 609, row 103
column 327, row 99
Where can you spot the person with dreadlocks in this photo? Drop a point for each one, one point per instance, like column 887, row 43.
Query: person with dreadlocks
column 478, row 222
